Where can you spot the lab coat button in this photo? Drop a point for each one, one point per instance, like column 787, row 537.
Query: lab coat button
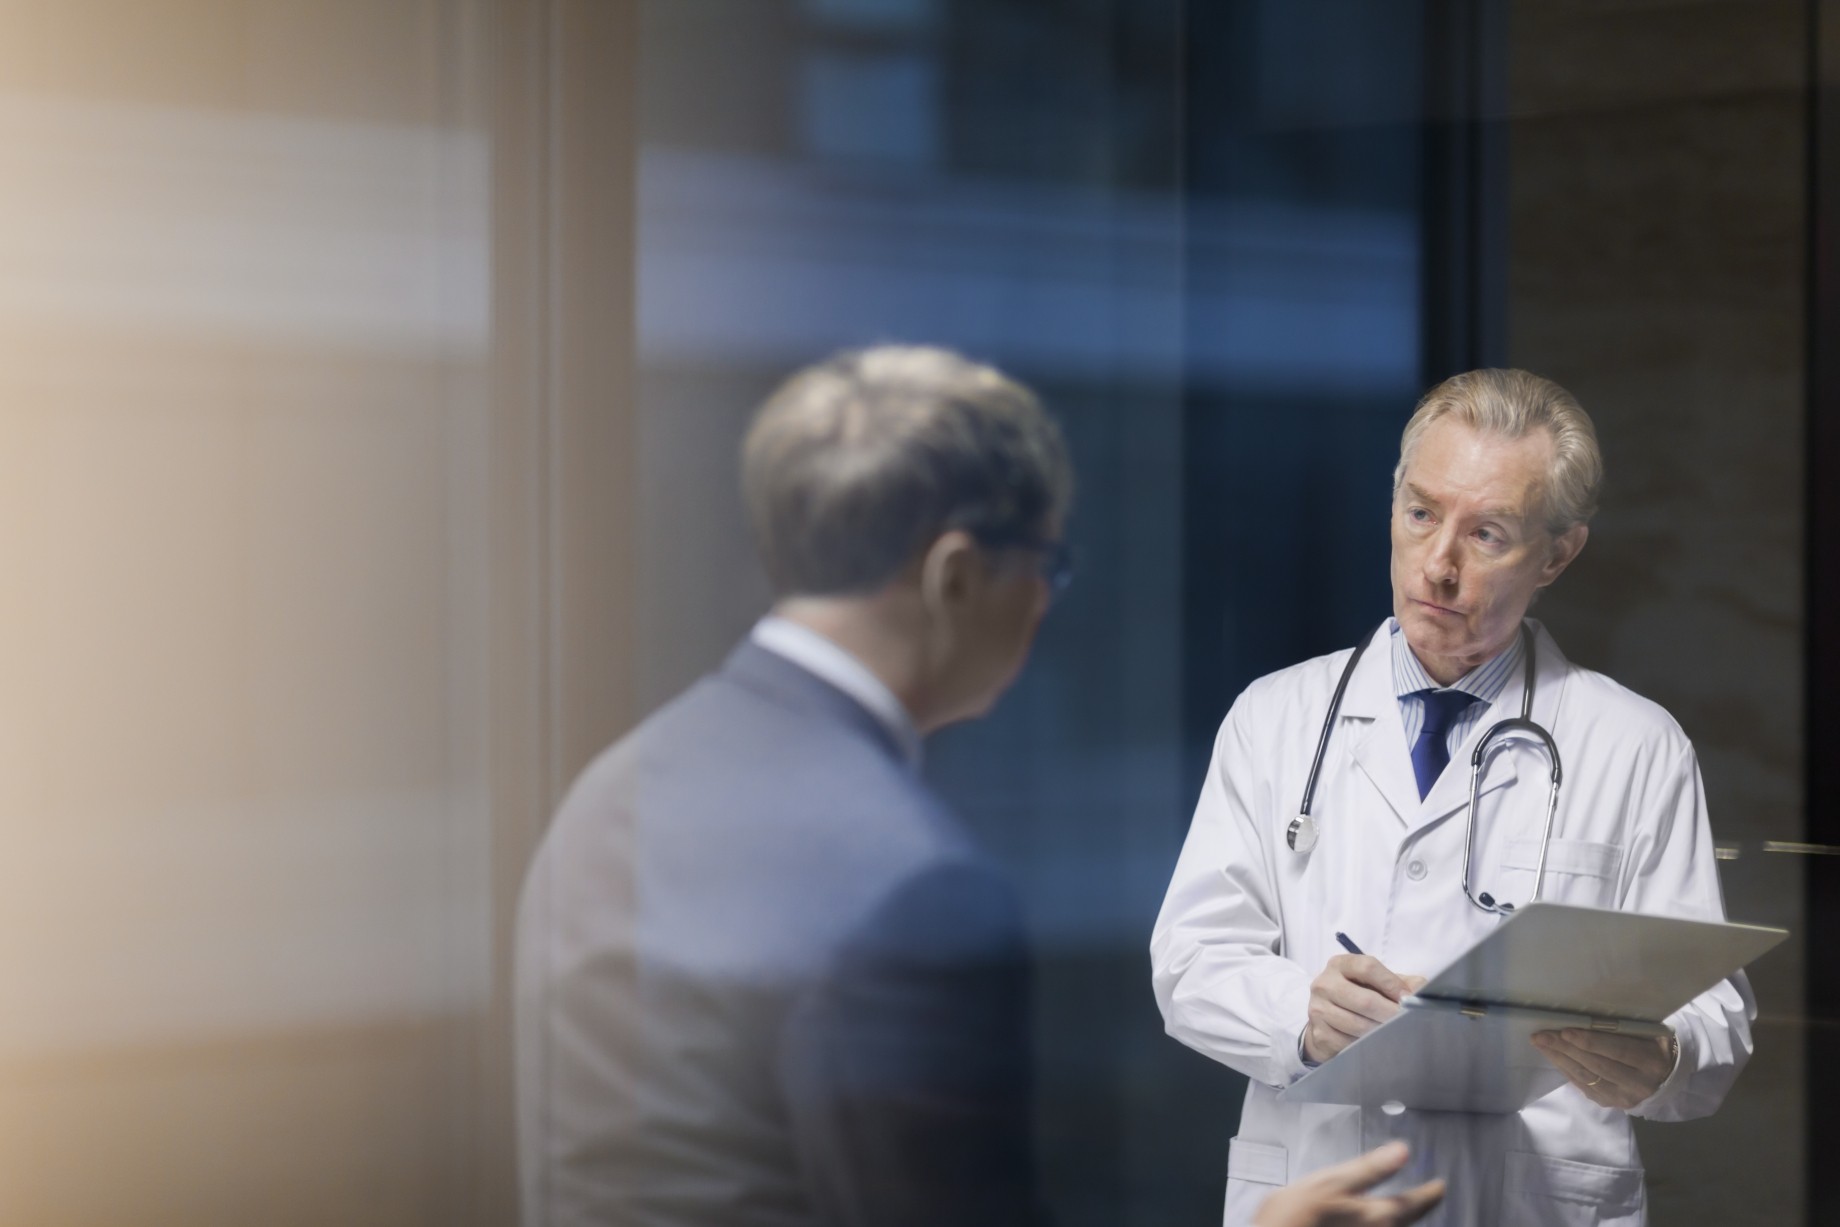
column 1416, row 871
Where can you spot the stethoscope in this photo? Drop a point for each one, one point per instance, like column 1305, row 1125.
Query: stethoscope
column 1302, row 833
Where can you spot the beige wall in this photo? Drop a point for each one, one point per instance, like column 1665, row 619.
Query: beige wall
column 1657, row 263
column 309, row 601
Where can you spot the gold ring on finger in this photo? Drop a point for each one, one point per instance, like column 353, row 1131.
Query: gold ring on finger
column 1595, row 1081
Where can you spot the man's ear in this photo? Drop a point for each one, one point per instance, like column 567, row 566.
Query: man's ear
column 1566, row 546
column 947, row 570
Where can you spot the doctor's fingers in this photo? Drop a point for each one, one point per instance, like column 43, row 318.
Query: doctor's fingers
column 1346, row 1024
column 1633, row 1063
column 1647, row 1056
column 1595, row 1076
column 1352, row 997
column 1321, row 1042
column 1370, row 971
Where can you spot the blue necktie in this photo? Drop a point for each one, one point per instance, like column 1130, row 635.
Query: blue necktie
column 1429, row 756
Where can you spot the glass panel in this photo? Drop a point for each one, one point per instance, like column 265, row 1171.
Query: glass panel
column 244, row 318
column 1672, row 302
column 1221, row 306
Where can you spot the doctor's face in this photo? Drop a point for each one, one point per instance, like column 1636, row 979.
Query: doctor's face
column 1470, row 544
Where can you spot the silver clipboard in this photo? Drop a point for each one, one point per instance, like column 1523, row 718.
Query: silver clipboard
column 1463, row 1042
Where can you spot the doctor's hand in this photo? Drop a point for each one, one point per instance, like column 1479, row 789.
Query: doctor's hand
column 1354, row 994
column 1614, row 1071
column 1331, row 1197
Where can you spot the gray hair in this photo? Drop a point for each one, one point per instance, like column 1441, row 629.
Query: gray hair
column 857, row 463
column 1512, row 404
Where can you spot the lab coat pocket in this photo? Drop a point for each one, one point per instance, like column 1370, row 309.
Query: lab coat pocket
column 1255, row 1170
column 1546, row 1192
column 1577, row 871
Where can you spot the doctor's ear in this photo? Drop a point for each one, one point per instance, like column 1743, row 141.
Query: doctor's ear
column 1565, row 547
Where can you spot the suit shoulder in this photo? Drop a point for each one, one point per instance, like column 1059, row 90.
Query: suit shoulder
column 773, row 821
column 958, row 912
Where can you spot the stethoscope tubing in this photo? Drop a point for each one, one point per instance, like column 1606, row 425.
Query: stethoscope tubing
column 1302, row 835
column 1322, row 741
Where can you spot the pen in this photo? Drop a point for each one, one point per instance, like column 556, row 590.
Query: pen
column 1348, row 944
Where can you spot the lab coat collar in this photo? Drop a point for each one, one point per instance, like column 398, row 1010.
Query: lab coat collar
column 1370, row 691
column 1370, row 718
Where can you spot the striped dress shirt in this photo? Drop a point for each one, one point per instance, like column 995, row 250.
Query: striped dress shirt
column 1485, row 681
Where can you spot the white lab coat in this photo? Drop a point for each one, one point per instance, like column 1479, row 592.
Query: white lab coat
column 1247, row 923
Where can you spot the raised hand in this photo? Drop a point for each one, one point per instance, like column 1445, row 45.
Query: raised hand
column 1334, row 1196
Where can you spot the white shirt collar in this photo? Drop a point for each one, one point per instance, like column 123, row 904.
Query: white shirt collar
column 1485, row 681
column 821, row 657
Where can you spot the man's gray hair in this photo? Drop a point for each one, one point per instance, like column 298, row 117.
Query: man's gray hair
column 1512, row 404
column 857, row 463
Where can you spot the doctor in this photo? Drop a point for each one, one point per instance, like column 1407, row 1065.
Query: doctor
column 1498, row 477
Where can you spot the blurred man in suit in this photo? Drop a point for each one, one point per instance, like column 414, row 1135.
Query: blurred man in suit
column 763, row 975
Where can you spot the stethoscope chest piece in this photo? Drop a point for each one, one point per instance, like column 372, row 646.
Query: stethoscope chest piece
column 1301, row 835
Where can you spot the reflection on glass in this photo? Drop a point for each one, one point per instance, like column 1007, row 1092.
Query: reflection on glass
column 1021, row 181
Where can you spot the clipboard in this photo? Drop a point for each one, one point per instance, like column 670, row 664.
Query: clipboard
column 1463, row 1042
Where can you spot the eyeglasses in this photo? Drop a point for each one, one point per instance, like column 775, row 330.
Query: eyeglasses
column 1055, row 562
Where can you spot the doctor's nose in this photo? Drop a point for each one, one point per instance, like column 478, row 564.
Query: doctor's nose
column 1441, row 562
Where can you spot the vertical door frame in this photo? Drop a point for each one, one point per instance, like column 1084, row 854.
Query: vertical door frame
column 1822, row 546
column 1464, row 300
column 564, row 512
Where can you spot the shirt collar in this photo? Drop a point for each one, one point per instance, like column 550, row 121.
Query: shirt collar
column 1485, row 681
column 822, row 658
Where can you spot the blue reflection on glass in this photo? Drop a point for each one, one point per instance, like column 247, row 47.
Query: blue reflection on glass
column 1199, row 231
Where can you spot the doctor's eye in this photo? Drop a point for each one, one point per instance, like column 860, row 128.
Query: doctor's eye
column 1418, row 515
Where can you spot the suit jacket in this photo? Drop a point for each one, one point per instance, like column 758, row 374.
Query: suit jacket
column 764, row 977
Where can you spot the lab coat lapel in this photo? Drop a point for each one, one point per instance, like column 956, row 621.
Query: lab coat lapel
column 1379, row 750
column 1551, row 671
